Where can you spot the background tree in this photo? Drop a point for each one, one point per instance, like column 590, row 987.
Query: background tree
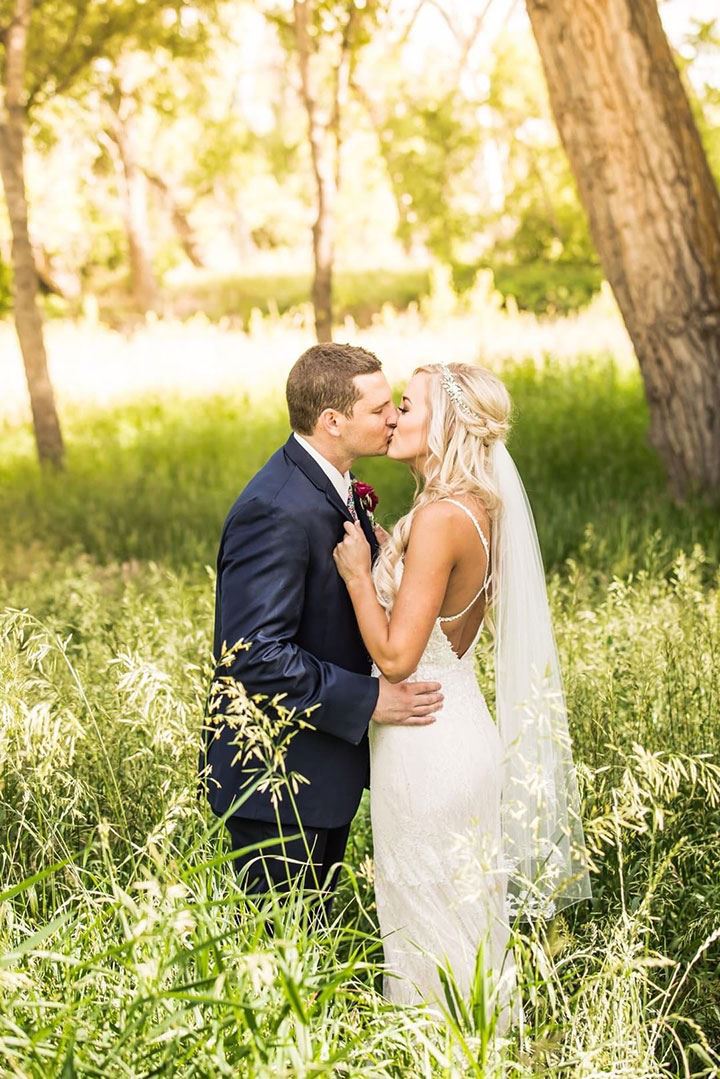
column 326, row 37
column 429, row 137
column 16, row 26
column 47, row 50
column 229, row 158
column 654, row 211
column 126, row 84
column 140, row 96
column 429, row 144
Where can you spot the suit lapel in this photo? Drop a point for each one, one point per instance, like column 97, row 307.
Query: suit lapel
column 315, row 474
column 335, row 500
column 319, row 479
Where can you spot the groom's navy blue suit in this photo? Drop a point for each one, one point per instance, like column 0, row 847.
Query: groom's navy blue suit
column 278, row 588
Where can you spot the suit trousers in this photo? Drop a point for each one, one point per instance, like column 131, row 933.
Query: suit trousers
column 309, row 857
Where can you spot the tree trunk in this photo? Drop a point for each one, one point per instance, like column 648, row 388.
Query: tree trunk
column 181, row 223
column 323, row 256
column 239, row 229
column 324, row 152
column 654, row 211
column 56, row 283
column 135, row 210
column 28, row 322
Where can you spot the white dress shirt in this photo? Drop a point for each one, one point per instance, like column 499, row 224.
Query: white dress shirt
column 340, row 481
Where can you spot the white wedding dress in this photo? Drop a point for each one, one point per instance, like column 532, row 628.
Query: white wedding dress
column 440, row 883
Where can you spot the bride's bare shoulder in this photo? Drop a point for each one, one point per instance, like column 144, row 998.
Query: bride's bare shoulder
column 431, row 522
column 434, row 515
column 441, row 521
column 448, row 511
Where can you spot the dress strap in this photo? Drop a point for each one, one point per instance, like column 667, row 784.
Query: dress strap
column 486, row 545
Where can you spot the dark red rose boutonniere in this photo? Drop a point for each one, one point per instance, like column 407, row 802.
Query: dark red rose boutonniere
column 367, row 497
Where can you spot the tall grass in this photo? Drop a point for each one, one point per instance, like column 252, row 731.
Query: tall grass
column 125, row 946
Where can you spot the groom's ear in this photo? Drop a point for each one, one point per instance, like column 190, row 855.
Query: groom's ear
column 330, row 422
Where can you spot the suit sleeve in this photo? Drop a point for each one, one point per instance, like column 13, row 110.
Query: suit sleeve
column 262, row 574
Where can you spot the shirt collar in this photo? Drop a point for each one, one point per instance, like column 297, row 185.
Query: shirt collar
column 340, row 481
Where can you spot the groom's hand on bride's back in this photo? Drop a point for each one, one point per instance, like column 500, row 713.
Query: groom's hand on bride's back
column 410, row 704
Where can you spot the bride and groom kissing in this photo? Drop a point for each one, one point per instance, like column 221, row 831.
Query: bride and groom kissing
column 475, row 820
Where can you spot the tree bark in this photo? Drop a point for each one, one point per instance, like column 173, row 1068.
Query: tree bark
column 654, row 211
column 28, row 322
column 324, row 152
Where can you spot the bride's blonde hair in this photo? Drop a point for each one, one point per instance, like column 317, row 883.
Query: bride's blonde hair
column 459, row 438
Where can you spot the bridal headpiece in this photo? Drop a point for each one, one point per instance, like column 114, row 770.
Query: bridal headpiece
column 454, row 391
column 482, row 426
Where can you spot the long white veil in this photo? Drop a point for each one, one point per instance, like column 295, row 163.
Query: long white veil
column 543, row 840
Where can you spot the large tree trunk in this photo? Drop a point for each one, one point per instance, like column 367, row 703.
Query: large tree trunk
column 654, row 211
column 28, row 322
column 324, row 153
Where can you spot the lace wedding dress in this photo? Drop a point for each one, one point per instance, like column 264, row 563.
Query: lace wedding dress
column 435, row 809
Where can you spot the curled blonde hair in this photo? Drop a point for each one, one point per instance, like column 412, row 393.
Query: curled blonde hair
column 458, row 459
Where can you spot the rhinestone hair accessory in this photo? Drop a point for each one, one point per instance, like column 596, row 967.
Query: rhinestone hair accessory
column 453, row 390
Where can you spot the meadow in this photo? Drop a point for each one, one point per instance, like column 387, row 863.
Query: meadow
column 125, row 946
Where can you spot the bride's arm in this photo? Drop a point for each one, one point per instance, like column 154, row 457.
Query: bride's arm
column 397, row 644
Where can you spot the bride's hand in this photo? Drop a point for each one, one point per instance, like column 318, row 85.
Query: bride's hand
column 352, row 556
column 381, row 535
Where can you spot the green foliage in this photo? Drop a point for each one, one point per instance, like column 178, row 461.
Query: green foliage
column 66, row 38
column 106, row 242
column 469, row 156
column 358, row 295
column 120, row 917
column 548, row 262
column 335, row 27
column 548, row 287
column 703, row 45
column 427, row 144
column 228, row 150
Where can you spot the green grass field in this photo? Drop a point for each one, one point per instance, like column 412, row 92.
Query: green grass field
column 125, row 948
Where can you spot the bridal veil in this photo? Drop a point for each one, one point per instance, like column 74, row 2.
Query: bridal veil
column 543, row 840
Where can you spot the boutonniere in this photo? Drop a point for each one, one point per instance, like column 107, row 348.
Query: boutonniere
column 367, row 497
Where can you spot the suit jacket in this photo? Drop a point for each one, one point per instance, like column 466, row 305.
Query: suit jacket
column 278, row 587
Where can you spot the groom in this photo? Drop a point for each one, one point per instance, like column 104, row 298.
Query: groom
column 278, row 588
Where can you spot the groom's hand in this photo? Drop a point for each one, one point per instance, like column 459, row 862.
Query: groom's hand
column 410, row 704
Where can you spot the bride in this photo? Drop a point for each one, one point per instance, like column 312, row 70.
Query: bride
column 474, row 821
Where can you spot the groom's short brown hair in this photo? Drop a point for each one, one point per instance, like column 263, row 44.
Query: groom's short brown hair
column 323, row 378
